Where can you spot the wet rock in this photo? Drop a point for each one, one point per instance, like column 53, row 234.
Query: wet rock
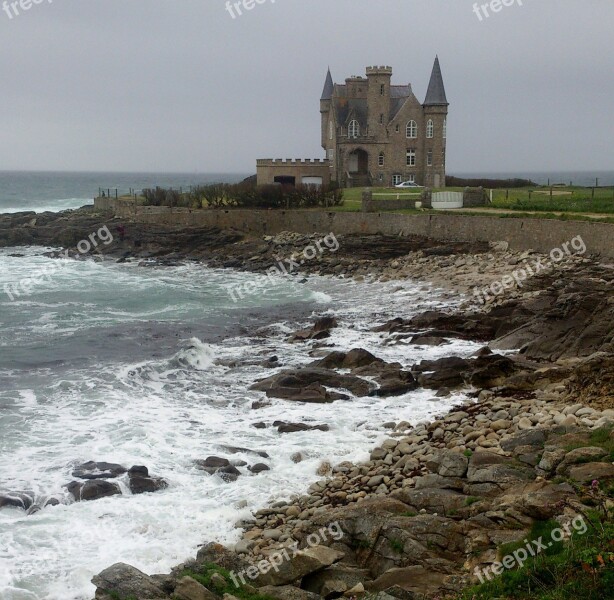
column 284, row 427
column 319, row 331
column 259, row 468
column 140, row 481
column 98, row 470
column 93, row 490
column 16, row 500
column 309, row 385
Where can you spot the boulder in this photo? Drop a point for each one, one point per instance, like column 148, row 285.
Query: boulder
column 140, row 481
column 124, row 581
column 452, row 464
column 16, row 500
column 304, row 562
column 189, row 589
column 98, row 470
column 309, row 385
column 590, row 471
column 94, row 489
column 287, row 592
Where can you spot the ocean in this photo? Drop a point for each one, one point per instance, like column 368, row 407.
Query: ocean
column 141, row 364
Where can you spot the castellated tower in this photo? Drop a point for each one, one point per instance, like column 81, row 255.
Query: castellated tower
column 378, row 99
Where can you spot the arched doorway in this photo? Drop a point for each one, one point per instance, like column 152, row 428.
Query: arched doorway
column 358, row 162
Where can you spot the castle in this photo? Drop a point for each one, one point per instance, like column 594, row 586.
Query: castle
column 374, row 134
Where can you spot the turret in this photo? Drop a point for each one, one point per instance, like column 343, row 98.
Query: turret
column 378, row 98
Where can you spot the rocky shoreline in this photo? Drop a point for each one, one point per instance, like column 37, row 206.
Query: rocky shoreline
column 437, row 500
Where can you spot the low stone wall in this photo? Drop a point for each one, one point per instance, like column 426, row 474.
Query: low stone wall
column 522, row 234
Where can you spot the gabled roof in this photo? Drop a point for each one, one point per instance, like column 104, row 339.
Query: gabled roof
column 436, row 94
column 329, row 87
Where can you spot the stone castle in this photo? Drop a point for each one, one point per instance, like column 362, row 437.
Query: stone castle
column 374, row 134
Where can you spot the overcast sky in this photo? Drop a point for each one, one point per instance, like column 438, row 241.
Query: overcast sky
column 179, row 85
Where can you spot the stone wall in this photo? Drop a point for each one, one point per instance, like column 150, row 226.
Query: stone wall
column 522, row 234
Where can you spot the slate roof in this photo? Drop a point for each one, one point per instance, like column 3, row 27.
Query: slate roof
column 436, row 93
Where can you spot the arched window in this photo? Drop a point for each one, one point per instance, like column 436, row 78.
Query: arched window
column 430, row 129
column 381, row 160
column 445, row 128
column 354, row 129
column 412, row 130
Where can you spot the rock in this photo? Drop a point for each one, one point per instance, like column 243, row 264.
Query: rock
column 335, row 580
column 259, row 468
column 533, row 437
column 236, row 450
column 219, row 466
column 284, row 427
column 320, row 330
column 16, row 500
column 303, row 563
column 550, row 460
column 93, row 490
column 287, row 592
column 124, row 581
column 98, row 470
column 309, row 385
column 190, row 589
column 140, row 482
column 580, row 455
column 590, row 471
column 452, row 464
column 213, row 462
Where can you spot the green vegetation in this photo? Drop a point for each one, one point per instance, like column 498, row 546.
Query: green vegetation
column 246, row 195
column 397, row 545
column 410, row 513
column 581, row 566
column 206, row 572
column 117, row 596
column 471, row 500
column 468, row 453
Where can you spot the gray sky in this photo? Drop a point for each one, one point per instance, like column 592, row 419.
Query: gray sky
column 159, row 85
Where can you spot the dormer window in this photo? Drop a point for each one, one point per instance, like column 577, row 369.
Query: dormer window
column 354, row 129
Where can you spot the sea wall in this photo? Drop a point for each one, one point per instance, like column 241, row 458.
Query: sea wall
column 522, row 234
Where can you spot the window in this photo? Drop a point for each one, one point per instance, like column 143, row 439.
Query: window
column 396, row 179
column 411, row 178
column 330, row 130
column 429, row 158
column 382, row 90
column 411, row 157
column 445, row 128
column 381, row 119
column 381, row 159
column 354, row 129
column 430, row 129
column 412, row 130
column 331, row 154
column 398, row 128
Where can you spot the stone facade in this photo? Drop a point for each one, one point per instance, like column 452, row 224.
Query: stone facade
column 378, row 134
column 293, row 172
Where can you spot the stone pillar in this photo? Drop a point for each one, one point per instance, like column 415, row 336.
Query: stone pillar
column 367, row 200
column 427, row 196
